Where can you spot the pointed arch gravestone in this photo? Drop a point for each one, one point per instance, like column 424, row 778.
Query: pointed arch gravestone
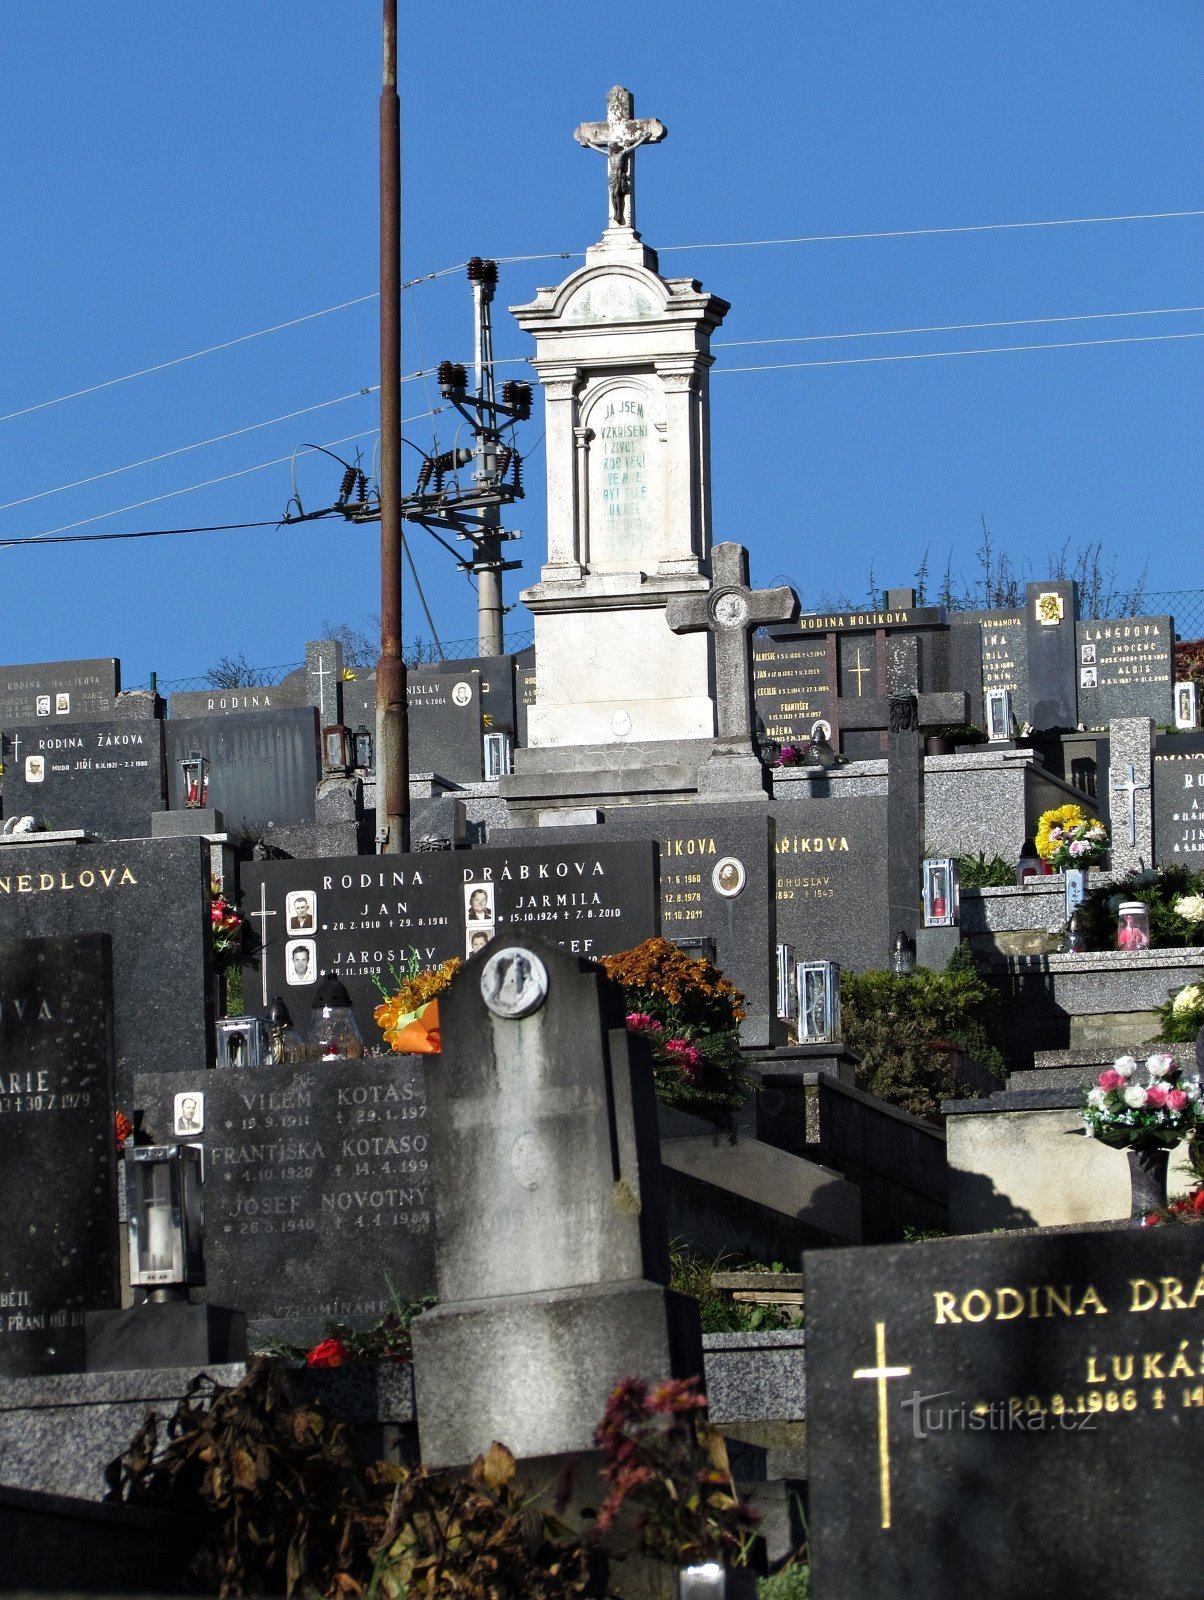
column 551, row 1249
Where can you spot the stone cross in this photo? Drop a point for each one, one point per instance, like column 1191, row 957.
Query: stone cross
column 730, row 612
column 324, row 673
column 1130, row 790
column 620, row 136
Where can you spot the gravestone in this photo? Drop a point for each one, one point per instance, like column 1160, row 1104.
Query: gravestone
column 264, row 766
column 832, row 878
column 105, row 777
column 524, row 690
column 1177, row 776
column 1125, row 669
column 364, row 918
column 717, row 883
column 151, row 896
column 904, row 815
column 318, row 1188
column 1050, row 616
column 324, row 680
column 496, row 678
column 1003, row 645
column 224, row 702
column 58, row 1151
column 794, row 682
column 1052, row 1382
column 58, row 691
column 551, row 1244
column 445, row 711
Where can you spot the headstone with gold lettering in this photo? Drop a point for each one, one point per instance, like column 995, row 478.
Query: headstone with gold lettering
column 58, row 1150
column 1005, row 1416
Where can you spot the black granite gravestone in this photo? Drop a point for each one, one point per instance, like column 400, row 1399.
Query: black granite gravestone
column 223, row 702
column 1178, row 783
column 832, row 877
column 716, row 883
column 1006, row 1417
column 793, row 686
column 904, row 816
column 1126, row 668
column 524, row 690
column 152, row 897
column 264, row 766
column 365, row 918
column 106, row 777
column 318, row 1187
column 1050, row 616
column 58, row 1150
column 1003, row 646
column 445, row 718
column 58, row 691
column 497, row 685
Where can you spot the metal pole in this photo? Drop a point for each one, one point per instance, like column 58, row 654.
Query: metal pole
column 488, row 555
column 392, row 732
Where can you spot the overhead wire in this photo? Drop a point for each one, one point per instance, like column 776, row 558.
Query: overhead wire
column 957, row 327
column 936, row 355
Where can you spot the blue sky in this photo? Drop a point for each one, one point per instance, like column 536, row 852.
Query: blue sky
column 178, row 176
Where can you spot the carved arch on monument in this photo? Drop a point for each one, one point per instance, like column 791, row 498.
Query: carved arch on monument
column 610, row 295
column 623, row 465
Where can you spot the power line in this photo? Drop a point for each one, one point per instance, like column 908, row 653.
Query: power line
column 569, row 255
column 936, row 355
column 141, row 533
column 954, row 327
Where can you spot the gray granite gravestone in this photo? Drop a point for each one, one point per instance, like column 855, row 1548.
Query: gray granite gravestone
column 318, row 1188
column 832, row 878
column 1126, row 667
column 324, row 680
column 980, row 1411
column 151, row 896
column 364, row 918
column 224, row 702
column 1050, row 617
column 58, row 691
column 104, row 777
column 264, row 766
column 1177, row 775
column 551, row 1249
column 58, row 1151
column 716, row 883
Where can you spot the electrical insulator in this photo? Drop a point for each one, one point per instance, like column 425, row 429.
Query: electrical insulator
column 348, row 484
column 503, row 460
column 482, row 271
column 518, row 396
column 451, row 376
column 361, row 487
column 518, row 473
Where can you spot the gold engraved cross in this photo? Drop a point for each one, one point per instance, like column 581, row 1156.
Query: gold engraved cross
column 858, row 672
column 881, row 1372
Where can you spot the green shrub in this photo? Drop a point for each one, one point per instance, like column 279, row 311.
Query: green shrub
column 976, row 872
column 791, row 1583
column 1159, row 890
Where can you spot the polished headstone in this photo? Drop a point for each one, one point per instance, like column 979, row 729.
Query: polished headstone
column 445, row 718
column 1050, row 616
column 1178, row 779
column 58, row 691
column 1049, row 1381
column 58, row 1152
column 224, row 702
column 1003, row 644
column 794, row 681
column 152, row 897
column 364, row 919
column 1126, row 666
column 264, row 766
column 832, row 878
column 318, row 1189
column 104, row 777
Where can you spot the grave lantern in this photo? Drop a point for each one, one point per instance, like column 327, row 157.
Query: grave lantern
column 195, row 771
column 363, row 749
column 787, row 983
column 818, row 1001
column 241, row 1041
column 709, row 1580
column 903, row 956
column 942, row 898
column 286, row 1047
column 1030, row 864
column 999, row 715
column 1076, row 937
column 338, row 749
column 1133, row 925
column 333, row 1032
column 1186, row 713
column 498, row 751
column 163, row 1202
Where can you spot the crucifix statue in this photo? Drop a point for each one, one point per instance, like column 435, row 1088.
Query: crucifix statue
column 620, row 136
column 730, row 612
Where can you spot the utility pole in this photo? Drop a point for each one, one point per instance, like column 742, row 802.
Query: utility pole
column 392, row 731
column 488, row 545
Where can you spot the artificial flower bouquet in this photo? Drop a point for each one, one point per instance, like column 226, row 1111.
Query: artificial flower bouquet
column 226, row 924
column 1067, row 837
column 1127, row 1114
column 1182, row 1016
column 409, row 1017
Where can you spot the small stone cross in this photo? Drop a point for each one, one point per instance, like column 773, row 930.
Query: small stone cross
column 1130, row 790
column 620, row 136
column 730, row 612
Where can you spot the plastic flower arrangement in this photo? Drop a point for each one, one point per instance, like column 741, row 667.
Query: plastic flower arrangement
column 1190, row 907
column 1126, row 1114
column 226, row 924
column 409, row 1017
column 1067, row 837
column 1183, row 1014
column 689, row 1013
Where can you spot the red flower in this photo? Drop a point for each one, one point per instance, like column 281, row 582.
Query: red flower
column 1156, row 1095
column 1110, row 1080
column 329, row 1353
column 1197, row 1202
column 1176, row 1100
column 125, row 1128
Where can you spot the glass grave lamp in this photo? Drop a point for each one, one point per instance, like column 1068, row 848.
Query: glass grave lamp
column 241, row 1041
column 285, row 1045
column 338, row 748
column 787, row 983
column 819, row 1001
column 333, row 1033
column 195, row 771
column 942, row 900
column 163, row 1203
column 903, row 956
column 999, row 716
column 363, row 742
column 1076, row 936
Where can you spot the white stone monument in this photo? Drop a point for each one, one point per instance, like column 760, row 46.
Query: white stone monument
column 624, row 357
